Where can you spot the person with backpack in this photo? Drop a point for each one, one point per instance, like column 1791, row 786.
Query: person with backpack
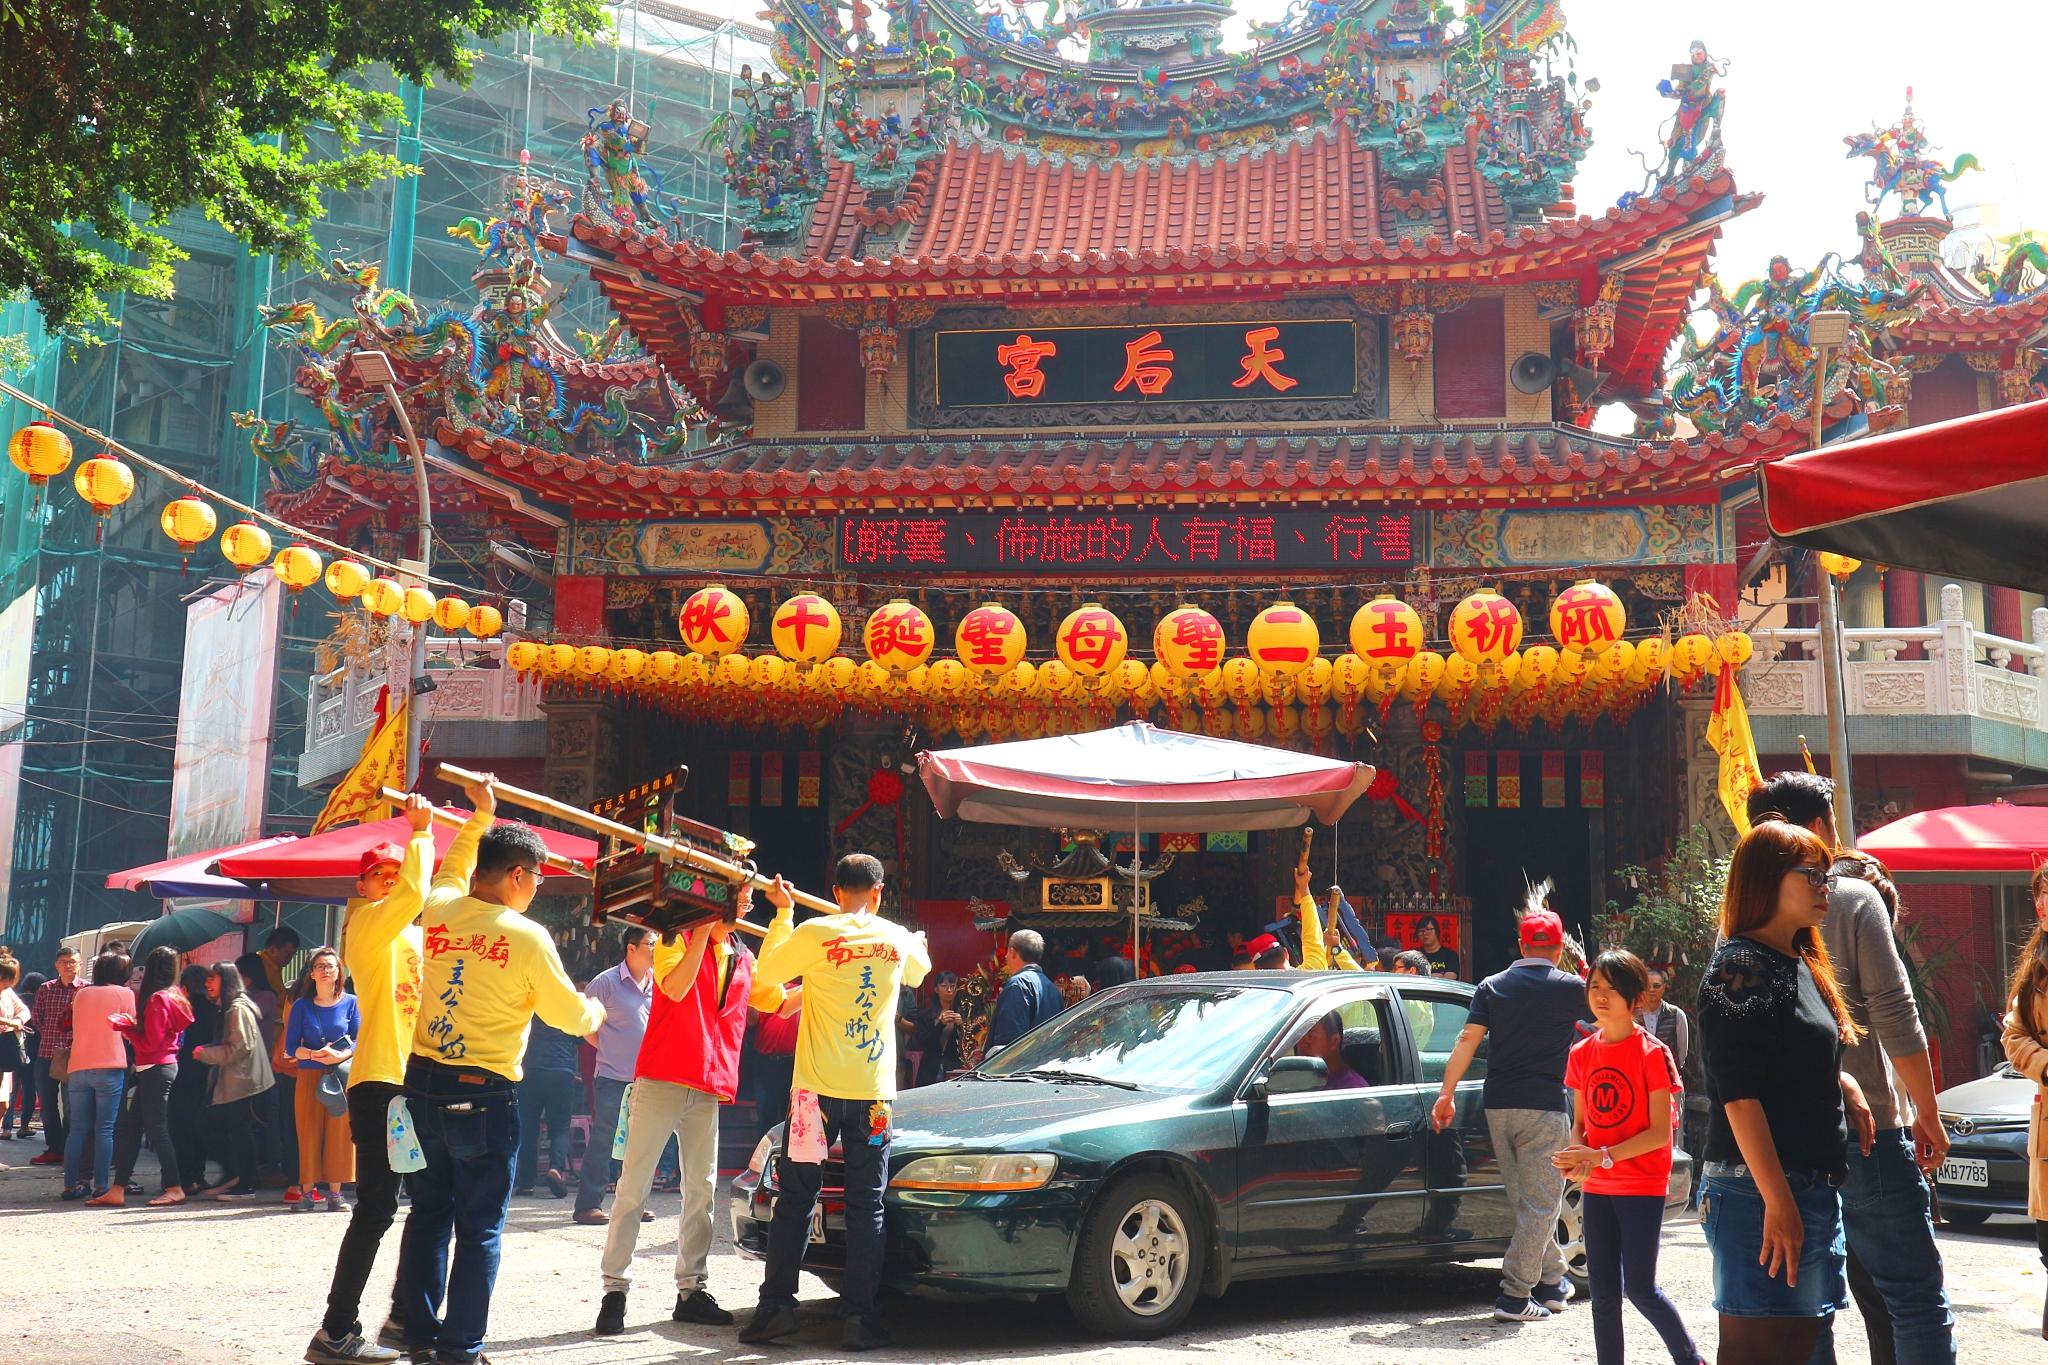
column 1624, row 1090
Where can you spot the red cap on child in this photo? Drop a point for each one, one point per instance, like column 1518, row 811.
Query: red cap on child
column 376, row 855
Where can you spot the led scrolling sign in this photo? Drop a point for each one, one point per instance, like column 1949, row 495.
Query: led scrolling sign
column 1167, row 362
column 1145, row 542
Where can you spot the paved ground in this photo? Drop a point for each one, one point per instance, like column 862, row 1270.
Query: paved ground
column 215, row 1284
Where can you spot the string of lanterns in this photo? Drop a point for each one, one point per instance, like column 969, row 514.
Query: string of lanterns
column 42, row 451
column 1281, row 687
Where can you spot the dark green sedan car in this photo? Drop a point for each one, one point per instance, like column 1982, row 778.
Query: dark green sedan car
column 1167, row 1138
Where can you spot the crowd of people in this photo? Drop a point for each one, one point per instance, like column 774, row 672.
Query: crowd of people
column 457, row 1057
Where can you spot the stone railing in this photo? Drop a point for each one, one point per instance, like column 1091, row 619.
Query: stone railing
column 471, row 688
column 1947, row 668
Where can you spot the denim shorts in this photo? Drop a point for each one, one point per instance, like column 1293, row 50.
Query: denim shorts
column 1734, row 1215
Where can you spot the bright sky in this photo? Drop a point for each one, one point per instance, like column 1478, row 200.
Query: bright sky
column 1803, row 75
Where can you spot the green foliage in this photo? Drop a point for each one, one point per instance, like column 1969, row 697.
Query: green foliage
column 116, row 114
column 15, row 355
column 1676, row 914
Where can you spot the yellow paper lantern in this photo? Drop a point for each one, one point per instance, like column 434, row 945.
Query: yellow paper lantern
column 627, row 664
column 1135, row 681
column 1282, row 639
column 298, row 567
column 1054, row 679
column 1425, row 671
column 1284, row 723
column 1241, row 680
column 1588, row 616
column 1839, row 566
column 592, row 661
column 104, row 482
column 1091, row 640
column 40, row 451
column 694, row 672
column 1735, row 647
column 946, row 678
column 1689, row 656
column 484, row 621
column 765, row 671
column 557, row 660
column 1189, row 641
column 1485, row 627
column 1653, row 656
column 871, row 677
column 382, row 597
column 451, row 613
column 1019, row 681
column 805, row 629
column 1539, row 664
column 990, row 640
column 898, row 636
column 246, row 545
column 839, row 672
column 417, row 606
column 1348, row 677
column 1312, row 684
column 188, row 522
column 1386, row 632
column 522, row 656
column 713, row 622
column 664, row 666
column 346, row 579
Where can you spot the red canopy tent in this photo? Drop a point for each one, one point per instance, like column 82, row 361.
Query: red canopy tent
column 323, row 867
column 187, row 875
column 1967, row 497
column 1995, row 843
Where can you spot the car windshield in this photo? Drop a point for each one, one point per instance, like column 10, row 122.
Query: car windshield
column 1184, row 1040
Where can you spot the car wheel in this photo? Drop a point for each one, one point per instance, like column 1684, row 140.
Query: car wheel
column 1138, row 1264
column 1571, row 1236
column 1964, row 1218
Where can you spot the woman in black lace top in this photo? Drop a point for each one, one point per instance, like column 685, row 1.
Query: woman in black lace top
column 1772, row 1025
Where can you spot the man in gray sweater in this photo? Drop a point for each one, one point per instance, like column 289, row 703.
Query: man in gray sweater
column 1894, row 1265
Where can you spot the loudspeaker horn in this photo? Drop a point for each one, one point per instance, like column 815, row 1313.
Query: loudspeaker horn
column 1534, row 372
column 765, row 381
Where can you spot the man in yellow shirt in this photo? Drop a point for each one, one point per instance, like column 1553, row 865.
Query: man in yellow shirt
column 1321, row 950
column 380, row 944
column 485, row 971
column 852, row 966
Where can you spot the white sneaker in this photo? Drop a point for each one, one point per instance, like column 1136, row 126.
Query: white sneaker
column 1506, row 1309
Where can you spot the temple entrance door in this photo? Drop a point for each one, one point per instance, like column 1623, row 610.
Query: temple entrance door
column 1506, row 851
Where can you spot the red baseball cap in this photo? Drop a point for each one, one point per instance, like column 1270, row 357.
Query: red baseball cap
column 1260, row 946
column 378, row 854
column 1542, row 929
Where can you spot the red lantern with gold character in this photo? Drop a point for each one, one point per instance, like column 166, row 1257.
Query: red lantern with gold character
column 898, row 636
column 805, row 629
column 1485, row 627
column 1282, row 639
column 1091, row 640
column 1189, row 641
column 713, row 621
column 990, row 640
column 1587, row 617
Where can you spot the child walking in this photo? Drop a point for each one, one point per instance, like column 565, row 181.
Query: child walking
column 1621, row 1079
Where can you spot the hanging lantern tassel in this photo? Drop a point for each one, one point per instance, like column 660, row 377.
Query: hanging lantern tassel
column 1433, row 801
column 885, row 788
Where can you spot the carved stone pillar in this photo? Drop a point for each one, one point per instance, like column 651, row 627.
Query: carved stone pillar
column 582, row 763
column 1700, row 776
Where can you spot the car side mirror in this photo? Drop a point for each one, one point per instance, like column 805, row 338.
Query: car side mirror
column 1292, row 1075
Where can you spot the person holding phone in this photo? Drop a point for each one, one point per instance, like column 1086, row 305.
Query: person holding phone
column 320, row 1035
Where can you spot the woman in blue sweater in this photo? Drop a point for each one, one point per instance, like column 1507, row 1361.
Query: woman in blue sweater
column 321, row 1034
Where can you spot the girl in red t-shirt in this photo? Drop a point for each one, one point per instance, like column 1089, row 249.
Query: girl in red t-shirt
column 1622, row 1081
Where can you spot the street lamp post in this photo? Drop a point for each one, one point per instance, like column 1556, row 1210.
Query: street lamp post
column 373, row 370
column 1828, row 331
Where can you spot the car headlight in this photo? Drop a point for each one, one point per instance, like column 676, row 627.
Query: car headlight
column 763, row 1150
column 984, row 1172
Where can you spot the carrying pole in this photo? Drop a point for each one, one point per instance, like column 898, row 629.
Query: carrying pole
column 669, row 850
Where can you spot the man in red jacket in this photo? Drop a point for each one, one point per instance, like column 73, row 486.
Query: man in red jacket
column 689, row 1064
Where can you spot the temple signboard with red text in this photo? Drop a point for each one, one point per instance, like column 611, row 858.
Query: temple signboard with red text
column 1168, row 362
column 1146, row 542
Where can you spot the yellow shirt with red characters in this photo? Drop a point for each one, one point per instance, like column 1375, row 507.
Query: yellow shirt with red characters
column 852, row 967
column 486, row 970
column 380, row 949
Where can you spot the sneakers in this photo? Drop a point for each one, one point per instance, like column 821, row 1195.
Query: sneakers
column 611, row 1313
column 392, row 1334
column 1553, row 1296
column 770, row 1321
column 292, row 1194
column 335, row 1203
column 1506, row 1309
column 698, row 1306
column 76, row 1192
column 557, row 1186
column 347, row 1350
column 862, row 1334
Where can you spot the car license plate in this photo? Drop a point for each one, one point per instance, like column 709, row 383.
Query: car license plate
column 818, row 1222
column 1963, row 1170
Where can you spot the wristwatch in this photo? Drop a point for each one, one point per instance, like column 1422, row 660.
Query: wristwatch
column 1606, row 1159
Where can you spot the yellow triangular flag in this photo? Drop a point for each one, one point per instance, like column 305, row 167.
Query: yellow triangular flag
column 1729, row 736
column 358, row 797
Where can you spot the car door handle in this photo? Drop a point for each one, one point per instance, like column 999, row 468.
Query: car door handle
column 1399, row 1130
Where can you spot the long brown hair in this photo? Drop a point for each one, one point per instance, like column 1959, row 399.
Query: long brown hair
column 2030, row 970
column 306, row 988
column 1769, row 852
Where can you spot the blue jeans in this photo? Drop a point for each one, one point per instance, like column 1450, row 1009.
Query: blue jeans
column 467, row 1122
column 544, row 1095
column 1734, row 1214
column 866, row 1159
column 597, row 1157
column 1894, row 1263
column 1623, row 1232
column 93, row 1103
